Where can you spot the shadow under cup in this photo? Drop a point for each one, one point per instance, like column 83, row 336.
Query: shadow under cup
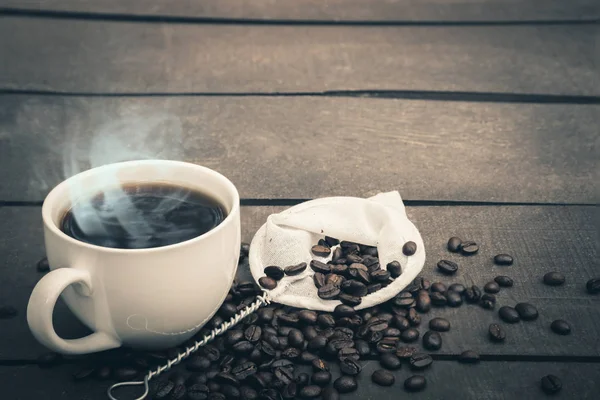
column 148, row 298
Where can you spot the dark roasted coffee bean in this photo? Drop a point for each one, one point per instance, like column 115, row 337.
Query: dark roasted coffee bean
column 197, row 392
column 362, row 347
column 231, row 392
column 413, row 317
column 216, row 396
column 551, row 384
column 327, row 332
column 334, row 279
column 394, row 268
column 244, row 370
column 593, row 286
column 321, row 378
column 438, row 287
column 554, row 279
column 265, row 314
column 325, row 321
column 354, row 288
column 49, row 359
column 432, row 340
column 291, row 353
column 391, row 332
column 321, row 251
column 404, row 300
column 320, row 365
column 504, row 281
column 320, row 267
column 382, row 377
column 294, row 270
column 468, row 357
column 197, row 363
column 374, row 337
column 527, row 311
column 349, row 366
column 438, row 299
column 199, row 378
column 328, row 292
column 419, row 361
column 296, row 338
column 306, row 357
column 491, row 287
column 380, row 276
column 439, row 325
column 423, row 303
column 163, row 389
column 390, row 361
column 469, row 248
column 322, row 242
column 274, row 272
column 291, row 319
column 453, row 299
column 267, row 283
column 345, row 384
column 447, row 267
column 422, row 283
column 488, row 301
column 508, row 314
column 372, row 288
column 388, row 345
column 409, row 248
column 359, row 274
column 560, row 327
column 253, row 333
column 250, row 319
column 331, row 241
column 405, row 352
column 329, row 393
column 285, row 375
column 284, row 330
column 496, row 333
column 243, row 347
column 7, row 312
column 212, row 372
column 348, row 352
column 177, row 378
column 269, row 394
column 342, row 333
column 503, row 259
column 225, row 378
column 349, row 300
column 319, row 280
column 377, row 324
column 410, row 335
column 342, row 310
column 233, row 336
column 354, row 259
column 454, row 244
column 371, row 262
column 308, row 316
column 290, row 391
column 457, row 287
column 339, row 269
column 473, row 294
column 310, row 332
column 42, row 265
column 415, row 383
column 247, row 393
column 302, row 379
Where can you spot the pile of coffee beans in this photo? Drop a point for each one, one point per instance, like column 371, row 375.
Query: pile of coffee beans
column 281, row 352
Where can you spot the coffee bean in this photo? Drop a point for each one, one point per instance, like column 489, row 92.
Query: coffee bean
column 551, row 384
column 388, row 345
column 233, row 336
column 49, row 359
column 527, row 311
column 334, row 279
column 308, row 317
column 447, row 267
column 326, row 321
column 390, row 361
column 349, row 366
column 504, row 281
column 290, row 391
column 339, row 269
column 197, row 392
column 267, row 283
column 405, row 352
column 413, row 317
column 439, row 325
column 319, row 280
column 560, row 327
column 328, row 292
column 496, row 333
column 432, row 340
column 294, row 270
column 472, row 294
column 274, row 272
column 7, row 312
column 410, row 335
column 438, row 299
column 509, row 315
column 457, row 287
column 354, row 288
column 265, row 314
column 554, row 279
column 453, row 299
column 331, row 241
column 419, row 361
column 345, row 384
column 409, row 248
column 321, row 251
column 423, row 303
column 491, row 287
column 404, row 300
column 243, row 347
column 329, row 393
column 359, row 274
column 307, row 357
column 320, row 365
column 468, row 357
column 244, row 370
column 310, row 332
column 394, row 268
column 488, row 301
column 377, row 324
column 438, row 287
column 321, row 378
column 362, row 347
column 372, row 288
column 269, row 394
column 163, row 389
column 225, row 378
column 43, row 265
column 253, row 333
column 231, row 392
column 348, row 352
column 327, row 332
column 454, row 244
column 296, row 338
column 391, row 332
column 382, row 377
column 593, row 286
column 503, row 259
column 415, row 383
column 380, row 276
column 197, row 363
column 342, row 310
column 469, row 248
column 348, row 300
column 320, row 267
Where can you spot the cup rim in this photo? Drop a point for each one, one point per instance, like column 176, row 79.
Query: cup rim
column 51, row 197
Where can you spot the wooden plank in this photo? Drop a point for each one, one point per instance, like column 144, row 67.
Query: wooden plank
column 428, row 150
column 117, row 57
column 330, row 10
column 445, row 380
column 541, row 239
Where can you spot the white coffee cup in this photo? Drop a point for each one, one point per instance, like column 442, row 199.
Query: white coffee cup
column 151, row 298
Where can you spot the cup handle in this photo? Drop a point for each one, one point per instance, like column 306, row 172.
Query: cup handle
column 40, row 308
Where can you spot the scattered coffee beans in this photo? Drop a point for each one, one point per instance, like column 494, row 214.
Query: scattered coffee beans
column 390, row 361
column 488, row 301
column 468, row 357
column 439, row 325
column 394, row 268
column 453, row 299
column 432, row 340
column 345, row 384
column 492, row 287
column 457, row 287
column 527, row 311
column 410, row 335
column 294, row 270
column 274, row 272
column 496, row 333
column 469, row 248
column 415, row 383
column 419, row 361
column 267, row 283
column 560, row 327
column 503, row 259
column 42, row 265
column 409, row 248
column 454, row 244
column 503, row 281
column 438, row 287
column 472, row 294
column 321, row 251
column 382, row 377
column 551, row 384
column 447, row 267
column 509, row 314
column 593, row 286
column 554, row 278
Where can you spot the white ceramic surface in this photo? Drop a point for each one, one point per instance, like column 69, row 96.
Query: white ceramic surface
column 143, row 298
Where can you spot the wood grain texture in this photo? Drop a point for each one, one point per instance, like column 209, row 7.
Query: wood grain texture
column 290, row 147
column 330, row 10
column 117, row 57
column 445, row 380
column 541, row 239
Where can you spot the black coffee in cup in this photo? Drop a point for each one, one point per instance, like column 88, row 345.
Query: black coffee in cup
column 145, row 215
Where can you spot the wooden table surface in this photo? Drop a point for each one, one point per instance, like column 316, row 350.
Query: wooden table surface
column 484, row 114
